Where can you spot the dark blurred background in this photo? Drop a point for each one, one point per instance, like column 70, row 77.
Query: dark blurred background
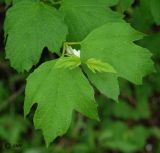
column 130, row 126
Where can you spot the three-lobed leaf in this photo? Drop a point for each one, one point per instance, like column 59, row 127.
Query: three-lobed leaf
column 116, row 46
column 58, row 92
column 82, row 16
column 30, row 27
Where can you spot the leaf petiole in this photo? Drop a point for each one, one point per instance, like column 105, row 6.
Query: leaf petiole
column 73, row 43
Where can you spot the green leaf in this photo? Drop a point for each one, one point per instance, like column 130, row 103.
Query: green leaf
column 97, row 65
column 12, row 127
column 119, row 136
column 155, row 131
column 31, row 26
column 142, row 18
column 155, row 9
column 83, row 16
column 125, row 4
column 106, row 83
column 115, row 46
column 7, row 2
column 151, row 42
column 70, row 62
column 104, row 79
column 58, row 92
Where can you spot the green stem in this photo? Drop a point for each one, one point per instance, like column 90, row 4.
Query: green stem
column 73, row 43
column 64, row 49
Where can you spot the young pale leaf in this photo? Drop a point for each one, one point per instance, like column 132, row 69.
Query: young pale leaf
column 30, row 27
column 58, row 92
column 70, row 62
column 82, row 16
column 97, row 65
column 115, row 46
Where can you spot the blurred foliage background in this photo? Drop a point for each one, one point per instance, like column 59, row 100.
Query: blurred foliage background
column 130, row 126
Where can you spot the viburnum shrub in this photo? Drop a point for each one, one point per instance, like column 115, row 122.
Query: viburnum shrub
column 95, row 47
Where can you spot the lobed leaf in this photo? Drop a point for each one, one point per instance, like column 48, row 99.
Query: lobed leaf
column 83, row 16
column 30, row 27
column 115, row 46
column 58, row 92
